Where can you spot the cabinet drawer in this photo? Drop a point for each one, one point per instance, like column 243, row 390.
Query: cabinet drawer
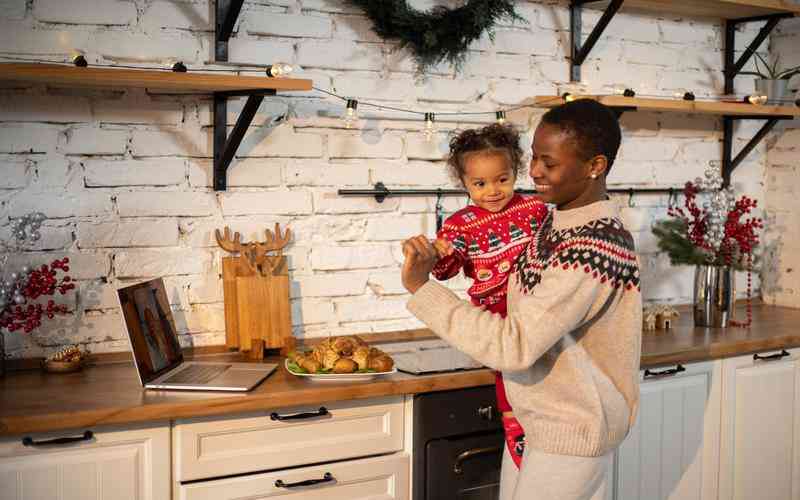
column 215, row 447
column 130, row 463
column 384, row 478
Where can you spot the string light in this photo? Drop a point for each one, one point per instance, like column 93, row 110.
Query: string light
column 629, row 93
column 351, row 113
column 755, row 99
column 80, row 61
column 430, row 128
column 179, row 67
column 501, row 117
column 568, row 97
column 279, row 70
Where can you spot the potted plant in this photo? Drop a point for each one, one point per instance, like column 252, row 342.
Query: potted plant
column 773, row 82
column 718, row 238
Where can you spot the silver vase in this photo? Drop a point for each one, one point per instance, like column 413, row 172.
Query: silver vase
column 714, row 295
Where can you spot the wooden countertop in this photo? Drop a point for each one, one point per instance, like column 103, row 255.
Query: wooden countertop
column 32, row 401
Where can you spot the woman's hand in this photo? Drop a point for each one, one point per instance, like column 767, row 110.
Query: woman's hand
column 420, row 257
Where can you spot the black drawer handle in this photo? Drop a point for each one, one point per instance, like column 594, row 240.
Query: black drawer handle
column 664, row 373
column 299, row 416
column 28, row 441
column 771, row 357
column 474, row 452
column 327, row 478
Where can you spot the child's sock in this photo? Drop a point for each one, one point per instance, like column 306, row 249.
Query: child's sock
column 515, row 439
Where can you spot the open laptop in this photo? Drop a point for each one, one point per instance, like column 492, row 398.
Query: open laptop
column 157, row 353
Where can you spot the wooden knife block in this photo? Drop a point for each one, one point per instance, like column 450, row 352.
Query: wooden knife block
column 256, row 306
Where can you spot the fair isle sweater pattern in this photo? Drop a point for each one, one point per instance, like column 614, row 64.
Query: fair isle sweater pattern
column 487, row 244
column 602, row 248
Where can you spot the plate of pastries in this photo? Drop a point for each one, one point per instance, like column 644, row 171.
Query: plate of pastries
column 340, row 358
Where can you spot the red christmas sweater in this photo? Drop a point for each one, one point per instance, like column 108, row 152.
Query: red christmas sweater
column 487, row 245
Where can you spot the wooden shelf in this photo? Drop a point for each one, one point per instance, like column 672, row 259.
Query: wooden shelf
column 725, row 9
column 72, row 76
column 680, row 106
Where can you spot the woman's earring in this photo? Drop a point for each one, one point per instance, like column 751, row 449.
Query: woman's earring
column 594, row 176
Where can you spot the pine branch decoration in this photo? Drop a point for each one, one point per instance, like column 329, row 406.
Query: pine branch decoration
column 440, row 34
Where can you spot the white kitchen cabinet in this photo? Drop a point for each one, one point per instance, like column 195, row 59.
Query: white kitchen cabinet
column 211, row 447
column 377, row 478
column 109, row 464
column 673, row 449
column 760, row 448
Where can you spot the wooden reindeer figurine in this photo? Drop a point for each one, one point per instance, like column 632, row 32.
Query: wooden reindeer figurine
column 256, row 286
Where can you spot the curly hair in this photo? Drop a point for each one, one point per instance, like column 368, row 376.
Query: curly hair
column 489, row 139
column 593, row 126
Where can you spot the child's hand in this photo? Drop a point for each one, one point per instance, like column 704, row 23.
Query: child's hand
column 443, row 248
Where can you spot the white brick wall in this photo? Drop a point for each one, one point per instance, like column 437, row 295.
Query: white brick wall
column 125, row 174
column 781, row 268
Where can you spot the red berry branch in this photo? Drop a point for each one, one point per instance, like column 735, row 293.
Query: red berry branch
column 26, row 314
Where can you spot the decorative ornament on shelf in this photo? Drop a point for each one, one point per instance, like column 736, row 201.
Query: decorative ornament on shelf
column 68, row 359
column 22, row 291
column 440, row 34
column 718, row 239
column 659, row 317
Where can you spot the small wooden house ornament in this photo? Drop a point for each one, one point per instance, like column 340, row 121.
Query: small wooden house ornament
column 665, row 317
column 648, row 319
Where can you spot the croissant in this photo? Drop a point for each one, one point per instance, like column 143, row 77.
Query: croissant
column 344, row 345
column 361, row 356
column 382, row 363
column 329, row 358
column 345, row 365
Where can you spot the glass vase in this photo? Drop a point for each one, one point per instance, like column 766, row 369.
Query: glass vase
column 714, row 295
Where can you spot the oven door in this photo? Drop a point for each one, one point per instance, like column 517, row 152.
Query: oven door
column 464, row 467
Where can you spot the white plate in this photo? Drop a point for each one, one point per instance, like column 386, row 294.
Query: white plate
column 338, row 377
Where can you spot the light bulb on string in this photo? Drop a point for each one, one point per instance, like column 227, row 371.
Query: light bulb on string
column 430, row 127
column 755, row 99
column 179, row 67
column 351, row 113
column 79, row 61
column 501, row 117
column 279, row 70
column 569, row 97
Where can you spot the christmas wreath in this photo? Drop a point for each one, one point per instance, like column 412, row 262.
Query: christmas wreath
column 439, row 34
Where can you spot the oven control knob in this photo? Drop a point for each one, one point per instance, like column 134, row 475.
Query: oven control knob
column 486, row 412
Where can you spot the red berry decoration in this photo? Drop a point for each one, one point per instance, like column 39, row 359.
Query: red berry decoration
column 41, row 281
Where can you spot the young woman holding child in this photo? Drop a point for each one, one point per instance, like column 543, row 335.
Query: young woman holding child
column 570, row 343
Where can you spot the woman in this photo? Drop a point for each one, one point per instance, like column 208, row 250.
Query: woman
column 570, row 344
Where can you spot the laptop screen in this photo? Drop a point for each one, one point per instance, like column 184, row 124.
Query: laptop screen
column 151, row 330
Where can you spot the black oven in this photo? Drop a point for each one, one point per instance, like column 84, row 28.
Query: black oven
column 458, row 445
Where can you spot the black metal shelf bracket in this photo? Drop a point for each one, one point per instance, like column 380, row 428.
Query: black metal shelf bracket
column 381, row 192
column 227, row 11
column 225, row 146
column 579, row 51
column 732, row 68
column 729, row 162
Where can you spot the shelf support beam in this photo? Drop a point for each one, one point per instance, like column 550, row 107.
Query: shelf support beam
column 729, row 163
column 227, row 11
column 733, row 68
column 579, row 51
column 225, row 146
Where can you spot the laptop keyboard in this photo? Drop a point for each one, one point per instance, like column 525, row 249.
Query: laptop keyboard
column 196, row 374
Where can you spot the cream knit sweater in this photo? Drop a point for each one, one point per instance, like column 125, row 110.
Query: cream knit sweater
column 570, row 345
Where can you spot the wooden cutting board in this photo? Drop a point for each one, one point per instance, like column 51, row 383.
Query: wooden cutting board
column 262, row 309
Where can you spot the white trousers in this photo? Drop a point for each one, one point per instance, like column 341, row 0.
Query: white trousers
column 543, row 476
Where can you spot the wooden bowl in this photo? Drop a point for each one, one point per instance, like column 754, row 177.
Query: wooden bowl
column 63, row 366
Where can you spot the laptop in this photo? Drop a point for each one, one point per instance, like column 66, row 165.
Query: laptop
column 157, row 353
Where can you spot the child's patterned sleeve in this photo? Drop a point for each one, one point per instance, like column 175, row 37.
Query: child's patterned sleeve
column 449, row 266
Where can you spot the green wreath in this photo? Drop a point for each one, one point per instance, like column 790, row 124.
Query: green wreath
column 439, row 34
